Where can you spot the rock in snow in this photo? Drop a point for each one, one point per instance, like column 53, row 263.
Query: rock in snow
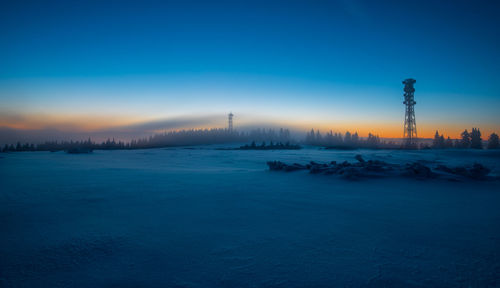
column 376, row 168
column 360, row 158
column 477, row 171
column 418, row 170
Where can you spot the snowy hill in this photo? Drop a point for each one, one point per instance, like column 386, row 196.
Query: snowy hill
column 203, row 217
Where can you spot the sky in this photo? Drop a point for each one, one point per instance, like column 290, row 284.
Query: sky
column 127, row 69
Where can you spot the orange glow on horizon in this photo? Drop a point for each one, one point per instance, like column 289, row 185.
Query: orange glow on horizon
column 78, row 123
column 92, row 123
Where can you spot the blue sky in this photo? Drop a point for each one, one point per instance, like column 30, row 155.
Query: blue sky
column 86, row 65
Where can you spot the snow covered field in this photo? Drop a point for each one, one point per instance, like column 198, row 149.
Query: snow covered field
column 201, row 217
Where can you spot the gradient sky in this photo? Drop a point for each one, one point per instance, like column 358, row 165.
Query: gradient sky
column 87, row 66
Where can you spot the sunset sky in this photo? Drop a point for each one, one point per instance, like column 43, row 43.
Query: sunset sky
column 129, row 68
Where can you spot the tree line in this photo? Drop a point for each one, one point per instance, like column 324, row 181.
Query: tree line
column 467, row 140
column 347, row 141
column 337, row 140
column 166, row 139
column 219, row 136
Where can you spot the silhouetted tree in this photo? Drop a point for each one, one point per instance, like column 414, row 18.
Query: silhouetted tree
column 493, row 141
column 372, row 141
column 438, row 142
column 465, row 141
column 310, row 137
column 448, row 143
column 318, row 137
column 347, row 138
column 355, row 138
column 476, row 141
column 435, row 142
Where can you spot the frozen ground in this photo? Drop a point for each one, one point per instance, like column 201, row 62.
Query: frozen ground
column 209, row 218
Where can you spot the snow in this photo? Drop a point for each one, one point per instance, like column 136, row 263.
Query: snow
column 202, row 217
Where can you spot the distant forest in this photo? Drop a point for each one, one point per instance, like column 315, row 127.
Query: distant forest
column 347, row 141
column 468, row 140
column 167, row 139
column 329, row 140
column 336, row 140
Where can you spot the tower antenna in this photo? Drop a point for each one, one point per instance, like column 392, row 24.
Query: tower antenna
column 410, row 128
column 230, row 122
